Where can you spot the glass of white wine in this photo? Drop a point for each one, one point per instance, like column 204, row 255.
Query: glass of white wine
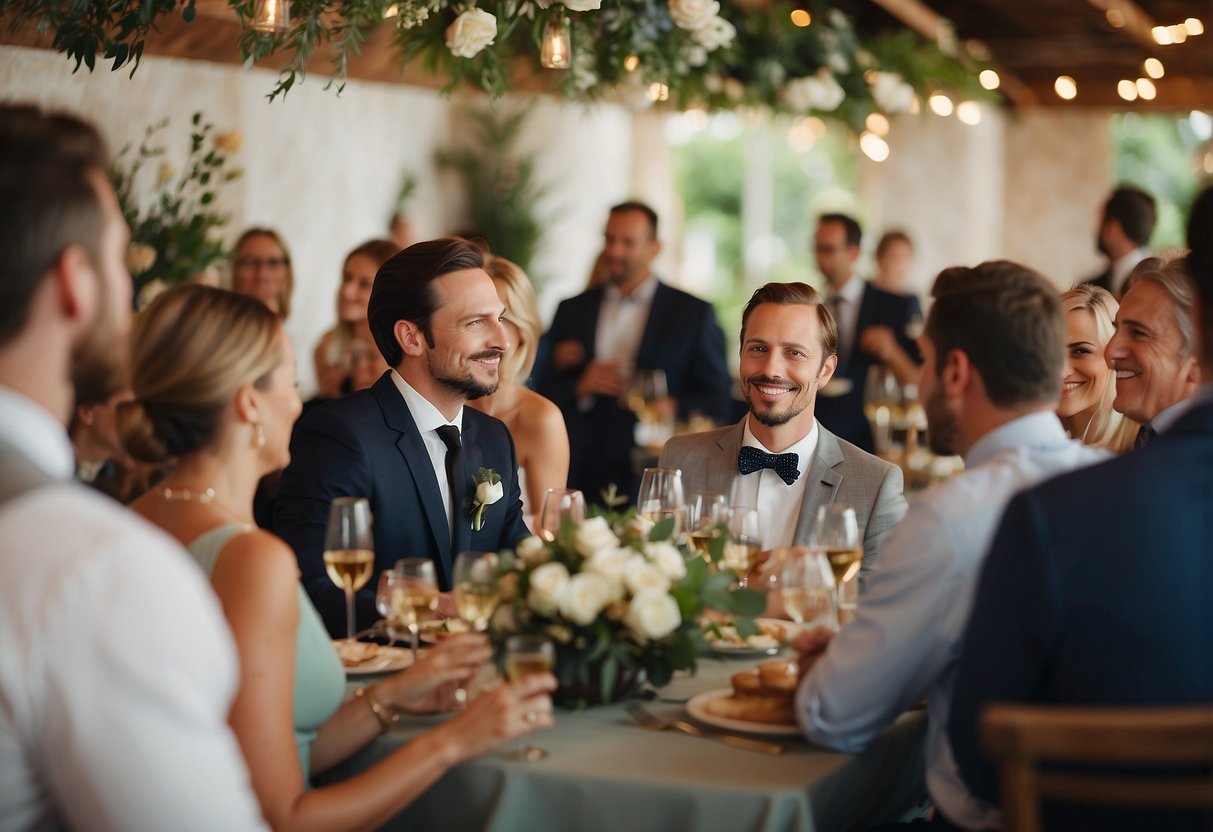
column 661, row 497
column 560, row 504
column 836, row 536
column 744, row 544
column 415, row 596
column 806, row 585
column 476, row 590
column 707, row 511
column 349, row 553
column 389, row 579
column 882, row 405
column 525, row 655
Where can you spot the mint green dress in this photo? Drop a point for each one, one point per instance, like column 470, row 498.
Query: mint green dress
column 319, row 677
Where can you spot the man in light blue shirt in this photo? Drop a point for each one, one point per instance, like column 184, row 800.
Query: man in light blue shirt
column 991, row 379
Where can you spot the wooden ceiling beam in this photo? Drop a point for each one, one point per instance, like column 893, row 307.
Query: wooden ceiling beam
column 1134, row 20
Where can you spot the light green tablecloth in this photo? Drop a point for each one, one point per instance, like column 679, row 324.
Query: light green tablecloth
column 605, row 773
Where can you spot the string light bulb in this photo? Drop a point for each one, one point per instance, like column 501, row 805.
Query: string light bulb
column 1154, row 68
column 989, row 79
column 940, row 104
column 874, row 147
column 801, row 18
column 557, row 46
column 1194, row 27
column 1127, row 90
column 1146, row 89
column 969, row 112
column 272, row 16
column 1065, row 87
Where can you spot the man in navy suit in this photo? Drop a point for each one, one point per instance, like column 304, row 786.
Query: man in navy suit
column 874, row 327
column 1098, row 589
column 408, row 444
column 1123, row 236
column 634, row 322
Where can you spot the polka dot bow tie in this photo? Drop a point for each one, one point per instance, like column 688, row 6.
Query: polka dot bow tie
column 787, row 466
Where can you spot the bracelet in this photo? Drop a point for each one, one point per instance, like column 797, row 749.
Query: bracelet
column 386, row 720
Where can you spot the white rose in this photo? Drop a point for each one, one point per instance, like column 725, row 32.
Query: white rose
column 471, row 32
column 716, row 34
column 586, row 596
column 610, row 565
column 533, row 551
column 639, row 575
column 548, row 585
column 838, row 62
column 891, row 92
column 668, row 560
column 697, row 55
column 815, row 92
column 652, row 615
column 488, row 493
column 594, row 535
column 692, row 14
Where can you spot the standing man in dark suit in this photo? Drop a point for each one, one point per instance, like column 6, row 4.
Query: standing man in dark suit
column 874, row 327
column 1098, row 589
column 1123, row 236
column 408, row 444
column 634, row 322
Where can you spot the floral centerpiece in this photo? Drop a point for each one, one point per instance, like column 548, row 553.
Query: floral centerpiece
column 174, row 227
column 620, row 601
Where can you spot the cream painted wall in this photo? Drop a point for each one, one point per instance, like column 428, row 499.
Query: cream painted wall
column 324, row 170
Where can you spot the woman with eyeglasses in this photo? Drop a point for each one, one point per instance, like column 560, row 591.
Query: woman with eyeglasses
column 261, row 268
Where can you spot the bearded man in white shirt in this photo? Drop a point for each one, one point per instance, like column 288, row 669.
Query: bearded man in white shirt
column 990, row 382
column 117, row 669
column 779, row 458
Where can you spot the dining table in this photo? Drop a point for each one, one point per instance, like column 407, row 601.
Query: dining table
column 603, row 771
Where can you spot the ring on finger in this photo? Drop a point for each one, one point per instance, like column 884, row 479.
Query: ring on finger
column 531, row 717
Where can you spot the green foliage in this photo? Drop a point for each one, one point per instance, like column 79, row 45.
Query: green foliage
column 174, row 228
column 500, row 184
column 1155, row 152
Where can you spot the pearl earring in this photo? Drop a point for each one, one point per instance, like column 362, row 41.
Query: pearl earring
column 258, row 436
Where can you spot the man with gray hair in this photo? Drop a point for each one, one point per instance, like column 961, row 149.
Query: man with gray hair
column 118, row 668
column 1153, row 351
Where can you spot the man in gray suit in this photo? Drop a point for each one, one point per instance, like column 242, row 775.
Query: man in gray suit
column 779, row 458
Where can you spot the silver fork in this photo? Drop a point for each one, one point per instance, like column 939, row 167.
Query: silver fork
column 647, row 719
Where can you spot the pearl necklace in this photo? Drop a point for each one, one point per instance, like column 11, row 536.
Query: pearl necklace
column 187, row 495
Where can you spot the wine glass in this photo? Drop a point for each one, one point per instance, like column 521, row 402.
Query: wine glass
column 525, row 655
column 836, row 536
column 389, row 579
column 707, row 511
column 807, row 588
column 416, row 594
column 744, row 544
column 661, row 497
column 560, row 504
column 882, row 405
column 476, row 594
column 646, row 397
column 349, row 553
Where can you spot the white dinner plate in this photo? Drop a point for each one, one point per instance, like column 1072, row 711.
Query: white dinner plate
column 385, row 660
column 697, row 711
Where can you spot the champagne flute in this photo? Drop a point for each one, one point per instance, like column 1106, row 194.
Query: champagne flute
column 836, row 536
column 744, row 544
column 349, row 553
column 707, row 510
column 525, row 655
column 661, row 497
column 807, row 587
column 416, row 595
column 560, row 504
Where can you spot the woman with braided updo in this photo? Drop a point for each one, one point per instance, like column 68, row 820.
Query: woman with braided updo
column 214, row 383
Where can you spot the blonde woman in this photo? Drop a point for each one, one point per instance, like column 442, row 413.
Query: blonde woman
column 334, row 355
column 536, row 424
column 261, row 268
column 214, row 384
column 1089, row 385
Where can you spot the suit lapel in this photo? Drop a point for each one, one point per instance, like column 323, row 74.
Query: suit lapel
column 589, row 324
column 473, row 461
column 658, row 317
column 417, row 463
column 722, row 469
column 821, row 483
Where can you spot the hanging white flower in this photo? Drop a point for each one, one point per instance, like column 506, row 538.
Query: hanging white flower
column 693, row 14
column 717, row 33
column 471, row 32
column 891, row 92
column 838, row 62
column 696, row 55
column 819, row 91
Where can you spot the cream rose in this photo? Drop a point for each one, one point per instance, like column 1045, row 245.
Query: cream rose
column 816, row 92
column 548, row 585
column 717, row 33
column 652, row 615
column 594, row 535
column 471, row 32
column 533, row 551
column 668, row 560
column 610, row 565
column 693, row 14
column 488, row 493
column 640, row 576
column 586, row 595
column 573, row 5
column 891, row 92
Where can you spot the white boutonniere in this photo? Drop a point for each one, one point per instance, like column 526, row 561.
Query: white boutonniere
column 488, row 491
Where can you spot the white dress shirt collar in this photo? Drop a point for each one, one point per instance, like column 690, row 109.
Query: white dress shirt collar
column 1119, row 271
column 851, row 291
column 1165, row 418
column 425, row 415
column 1035, row 430
column 38, row 435
column 642, row 294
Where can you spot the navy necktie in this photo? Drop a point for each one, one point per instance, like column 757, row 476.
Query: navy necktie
column 787, row 466
column 1144, row 437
